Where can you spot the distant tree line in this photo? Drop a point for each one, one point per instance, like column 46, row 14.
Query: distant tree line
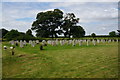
column 15, row 35
column 111, row 34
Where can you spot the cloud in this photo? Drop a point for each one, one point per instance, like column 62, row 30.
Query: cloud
column 0, row 14
column 90, row 10
column 60, row 0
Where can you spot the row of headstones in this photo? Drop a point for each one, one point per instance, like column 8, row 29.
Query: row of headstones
column 24, row 43
column 74, row 42
column 61, row 42
column 69, row 42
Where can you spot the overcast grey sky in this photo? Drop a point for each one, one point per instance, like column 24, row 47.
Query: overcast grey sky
column 97, row 17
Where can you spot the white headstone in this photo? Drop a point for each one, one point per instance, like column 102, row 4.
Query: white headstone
column 33, row 43
column 21, row 44
column 37, row 41
column 98, row 41
column 94, row 42
column 57, row 42
column 30, row 41
column 88, row 42
column 73, row 43
column 117, row 40
column 24, row 43
column 44, row 43
column 61, row 43
column 80, row 42
column 12, row 42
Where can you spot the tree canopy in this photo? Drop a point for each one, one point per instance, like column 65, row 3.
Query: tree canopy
column 93, row 34
column 29, row 32
column 112, row 33
column 12, row 34
column 47, row 22
column 3, row 32
column 51, row 23
column 15, row 35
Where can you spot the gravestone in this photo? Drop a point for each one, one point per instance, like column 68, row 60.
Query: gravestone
column 98, row 41
column 57, row 42
column 109, row 40
column 102, row 40
column 44, row 43
column 117, row 40
column 21, row 44
column 61, row 42
column 73, row 43
column 37, row 41
column 88, row 42
column 33, row 44
column 24, row 43
column 49, row 42
column 69, row 42
column 12, row 42
column 80, row 42
column 52, row 43
column 30, row 41
column 113, row 40
column 94, row 42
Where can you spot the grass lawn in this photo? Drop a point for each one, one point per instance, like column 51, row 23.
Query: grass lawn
column 100, row 61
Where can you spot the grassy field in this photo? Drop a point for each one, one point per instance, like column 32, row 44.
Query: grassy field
column 100, row 61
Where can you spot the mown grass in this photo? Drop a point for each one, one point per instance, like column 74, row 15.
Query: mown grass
column 100, row 61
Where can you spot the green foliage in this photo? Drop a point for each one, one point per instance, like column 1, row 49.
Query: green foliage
column 118, row 33
column 112, row 34
column 69, row 24
column 25, row 37
column 3, row 32
column 15, row 35
column 29, row 32
column 93, row 34
column 77, row 32
column 11, row 35
column 47, row 22
column 51, row 23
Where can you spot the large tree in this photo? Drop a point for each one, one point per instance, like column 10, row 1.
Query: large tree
column 112, row 33
column 3, row 32
column 52, row 23
column 69, row 24
column 77, row 31
column 47, row 22
column 93, row 34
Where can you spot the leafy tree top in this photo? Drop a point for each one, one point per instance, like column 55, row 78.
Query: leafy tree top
column 47, row 22
column 51, row 23
column 29, row 32
column 3, row 32
column 112, row 33
column 93, row 34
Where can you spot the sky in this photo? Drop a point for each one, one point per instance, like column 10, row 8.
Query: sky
column 95, row 17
